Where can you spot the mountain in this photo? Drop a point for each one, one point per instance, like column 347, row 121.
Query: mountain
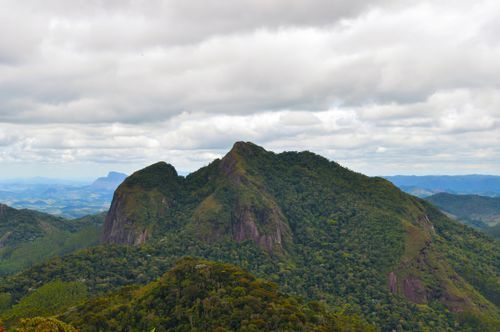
column 29, row 237
column 481, row 212
column 110, row 182
column 63, row 198
column 317, row 229
column 423, row 186
column 199, row 295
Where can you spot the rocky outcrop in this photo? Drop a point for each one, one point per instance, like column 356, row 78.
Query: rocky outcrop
column 256, row 215
column 139, row 204
column 240, row 207
column 261, row 222
column 393, row 283
column 120, row 227
column 414, row 290
column 3, row 210
column 426, row 223
column 244, row 227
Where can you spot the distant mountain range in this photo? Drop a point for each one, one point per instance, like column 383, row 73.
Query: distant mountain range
column 353, row 243
column 69, row 199
column 423, row 186
column 109, row 182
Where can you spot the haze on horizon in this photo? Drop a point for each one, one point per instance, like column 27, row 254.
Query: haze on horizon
column 389, row 87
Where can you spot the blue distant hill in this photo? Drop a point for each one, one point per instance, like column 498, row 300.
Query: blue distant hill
column 423, row 186
column 110, row 182
column 65, row 198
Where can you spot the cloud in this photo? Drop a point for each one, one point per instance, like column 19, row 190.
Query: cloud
column 379, row 85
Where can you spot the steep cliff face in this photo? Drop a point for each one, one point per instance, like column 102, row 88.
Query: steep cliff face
column 424, row 275
column 245, row 227
column 140, row 203
column 3, row 210
column 259, row 220
column 224, row 200
column 240, row 207
column 125, row 226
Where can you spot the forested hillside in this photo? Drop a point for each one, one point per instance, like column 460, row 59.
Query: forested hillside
column 317, row 229
column 205, row 296
column 29, row 237
column 480, row 212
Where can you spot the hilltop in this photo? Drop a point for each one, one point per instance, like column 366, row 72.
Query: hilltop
column 316, row 228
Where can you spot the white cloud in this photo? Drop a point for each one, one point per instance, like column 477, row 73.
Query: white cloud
column 385, row 87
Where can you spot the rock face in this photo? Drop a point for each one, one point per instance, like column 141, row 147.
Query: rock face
column 257, row 216
column 240, row 206
column 139, row 204
column 414, row 290
column 224, row 200
column 245, row 228
column 3, row 209
column 393, row 283
column 120, row 227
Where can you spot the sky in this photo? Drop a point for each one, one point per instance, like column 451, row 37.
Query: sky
column 383, row 87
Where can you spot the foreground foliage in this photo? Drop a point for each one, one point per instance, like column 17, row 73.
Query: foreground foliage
column 47, row 300
column 44, row 324
column 199, row 295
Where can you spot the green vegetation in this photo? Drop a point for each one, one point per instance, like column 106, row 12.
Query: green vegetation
column 44, row 324
column 493, row 231
column 480, row 212
column 30, row 237
column 47, row 300
column 318, row 230
column 198, row 295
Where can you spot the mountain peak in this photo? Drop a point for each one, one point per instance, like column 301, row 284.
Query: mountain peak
column 246, row 148
column 148, row 192
column 109, row 182
column 153, row 175
column 115, row 175
column 162, row 167
column 234, row 162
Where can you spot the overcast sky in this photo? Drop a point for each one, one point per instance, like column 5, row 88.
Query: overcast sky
column 383, row 87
